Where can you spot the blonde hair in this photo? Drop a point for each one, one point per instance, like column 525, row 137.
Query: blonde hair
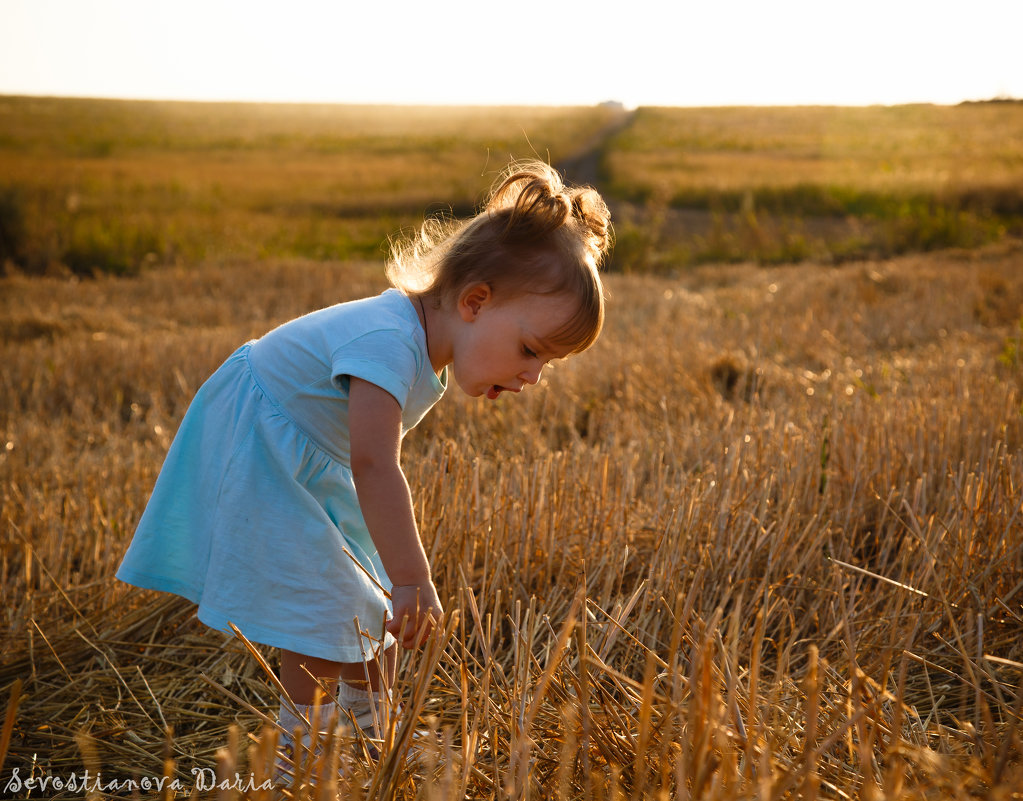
column 534, row 235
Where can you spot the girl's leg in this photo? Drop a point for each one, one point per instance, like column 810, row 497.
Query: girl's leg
column 301, row 686
column 362, row 691
column 380, row 672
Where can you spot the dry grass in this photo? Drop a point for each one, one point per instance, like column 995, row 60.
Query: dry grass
column 764, row 540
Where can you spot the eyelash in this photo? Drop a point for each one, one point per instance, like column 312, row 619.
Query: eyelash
column 530, row 354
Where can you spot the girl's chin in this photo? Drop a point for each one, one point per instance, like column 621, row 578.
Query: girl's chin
column 479, row 392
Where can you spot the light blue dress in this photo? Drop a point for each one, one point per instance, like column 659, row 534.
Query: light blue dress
column 254, row 515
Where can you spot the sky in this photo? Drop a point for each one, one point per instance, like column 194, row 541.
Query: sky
column 532, row 52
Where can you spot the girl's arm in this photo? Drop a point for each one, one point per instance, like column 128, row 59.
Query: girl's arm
column 374, row 422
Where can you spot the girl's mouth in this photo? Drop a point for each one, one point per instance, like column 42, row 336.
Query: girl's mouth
column 497, row 389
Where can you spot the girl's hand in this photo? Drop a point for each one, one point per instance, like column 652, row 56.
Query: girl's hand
column 416, row 608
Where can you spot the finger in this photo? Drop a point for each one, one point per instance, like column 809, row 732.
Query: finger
column 425, row 628
column 408, row 637
column 400, row 627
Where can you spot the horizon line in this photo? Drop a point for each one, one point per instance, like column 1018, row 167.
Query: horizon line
column 609, row 102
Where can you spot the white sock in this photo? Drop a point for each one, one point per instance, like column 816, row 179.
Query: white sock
column 289, row 721
column 364, row 704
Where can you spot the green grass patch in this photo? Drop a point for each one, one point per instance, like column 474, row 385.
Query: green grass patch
column 116, row 185
column 779, row 184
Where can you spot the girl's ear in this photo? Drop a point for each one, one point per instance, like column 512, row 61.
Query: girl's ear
column 472, row 299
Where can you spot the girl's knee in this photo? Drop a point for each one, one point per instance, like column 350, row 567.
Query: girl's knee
column 303, row 675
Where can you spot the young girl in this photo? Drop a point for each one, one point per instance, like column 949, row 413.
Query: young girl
column 282, row 507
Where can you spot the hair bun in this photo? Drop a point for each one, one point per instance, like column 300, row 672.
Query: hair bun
column 535, row 200
column 537, row 203
column 591, row 210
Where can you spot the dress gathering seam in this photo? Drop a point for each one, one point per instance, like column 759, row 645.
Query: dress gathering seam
column 272, row 400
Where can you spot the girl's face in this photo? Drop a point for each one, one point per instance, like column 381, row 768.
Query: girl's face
column 502, row 346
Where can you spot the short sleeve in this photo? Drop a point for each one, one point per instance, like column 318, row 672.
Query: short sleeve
column 383, row 357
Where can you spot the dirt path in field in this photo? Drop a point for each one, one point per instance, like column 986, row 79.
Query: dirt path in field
column 584, row 166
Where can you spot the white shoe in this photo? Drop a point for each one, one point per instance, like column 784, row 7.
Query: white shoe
column 304, row 755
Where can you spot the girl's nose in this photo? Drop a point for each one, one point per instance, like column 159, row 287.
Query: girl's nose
column 532, row 375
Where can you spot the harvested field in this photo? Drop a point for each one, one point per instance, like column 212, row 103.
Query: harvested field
column 763, row 540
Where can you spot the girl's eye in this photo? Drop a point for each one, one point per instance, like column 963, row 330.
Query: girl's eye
column 530, row 354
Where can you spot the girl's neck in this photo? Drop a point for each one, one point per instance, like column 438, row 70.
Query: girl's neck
column 433, row 332
column 426, row 325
